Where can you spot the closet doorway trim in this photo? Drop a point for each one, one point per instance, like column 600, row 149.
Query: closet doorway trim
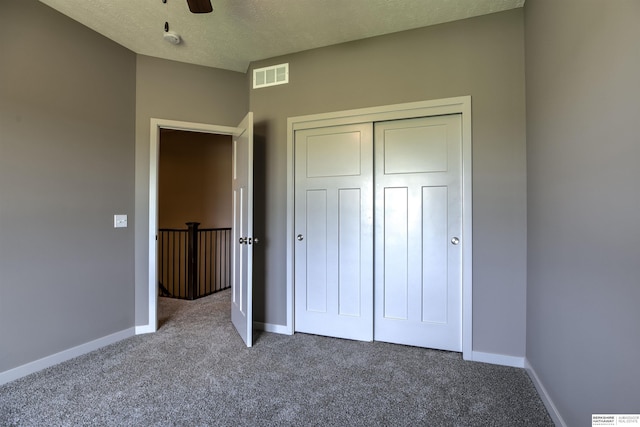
column 457, row 105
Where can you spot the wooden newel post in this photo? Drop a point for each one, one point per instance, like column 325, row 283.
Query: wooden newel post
column 192, row 260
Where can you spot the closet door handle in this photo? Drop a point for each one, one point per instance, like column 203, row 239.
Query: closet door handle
column 300, row 237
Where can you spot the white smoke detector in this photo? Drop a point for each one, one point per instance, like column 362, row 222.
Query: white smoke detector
column 172, row 37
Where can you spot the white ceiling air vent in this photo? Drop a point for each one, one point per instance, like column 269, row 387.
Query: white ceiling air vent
column 271, row 76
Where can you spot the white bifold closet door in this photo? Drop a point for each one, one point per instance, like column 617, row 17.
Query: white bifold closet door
column 412, row 293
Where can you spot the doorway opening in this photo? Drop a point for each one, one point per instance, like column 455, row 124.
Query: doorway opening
column 161, row 128
column 194, row 214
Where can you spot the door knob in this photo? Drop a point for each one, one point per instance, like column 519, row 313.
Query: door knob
column 455, row 241
column 242, row 240
column 300, row 237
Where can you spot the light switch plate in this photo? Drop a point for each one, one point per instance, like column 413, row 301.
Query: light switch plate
column 120, row 221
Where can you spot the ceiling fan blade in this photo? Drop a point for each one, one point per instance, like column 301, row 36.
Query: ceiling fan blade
column 200, row 6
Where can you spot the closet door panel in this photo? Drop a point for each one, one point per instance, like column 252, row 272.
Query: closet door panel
column 418, row 214
column 334, row 231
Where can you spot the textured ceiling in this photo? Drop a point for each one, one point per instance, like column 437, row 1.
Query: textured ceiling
column 241, row 31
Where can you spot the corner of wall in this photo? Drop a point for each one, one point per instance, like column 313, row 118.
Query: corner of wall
column 544, row 395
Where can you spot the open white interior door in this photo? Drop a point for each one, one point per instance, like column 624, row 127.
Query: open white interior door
column 242, row 285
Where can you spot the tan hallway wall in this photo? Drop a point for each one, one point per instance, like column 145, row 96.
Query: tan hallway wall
column 194, row 180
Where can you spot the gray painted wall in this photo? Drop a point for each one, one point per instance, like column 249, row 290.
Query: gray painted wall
column 482, row 57
column 176, row 91
column 67, row 108
column 583, row 149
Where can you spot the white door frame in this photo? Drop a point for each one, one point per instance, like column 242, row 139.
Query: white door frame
column 457, row 105
column 154, row 152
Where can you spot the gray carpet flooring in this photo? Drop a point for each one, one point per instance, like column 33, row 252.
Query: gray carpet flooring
column 195, row 371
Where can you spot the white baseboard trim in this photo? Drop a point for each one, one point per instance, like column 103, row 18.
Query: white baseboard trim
column 145, row 329
column 63, row 356
column 271, row 327
column 498, row 359
column 544, row 395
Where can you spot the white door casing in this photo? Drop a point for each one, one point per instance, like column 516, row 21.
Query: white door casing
column 334, row 231
column 242, row 236
column 242, row 289
column 418, row 225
